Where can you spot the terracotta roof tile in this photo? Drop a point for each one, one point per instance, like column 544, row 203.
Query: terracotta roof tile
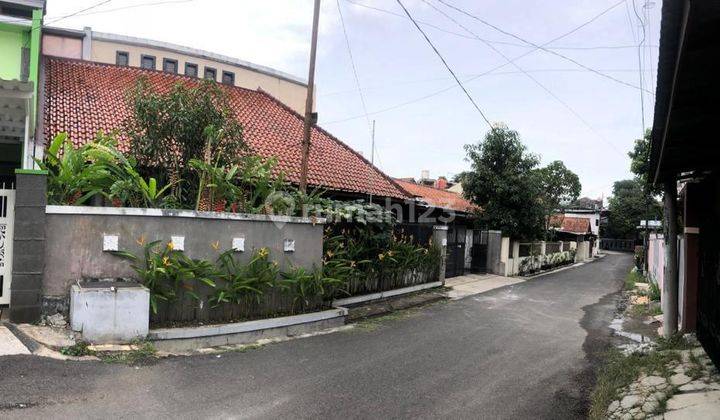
column 562, row 223
column 83, row 98
column 437, row 197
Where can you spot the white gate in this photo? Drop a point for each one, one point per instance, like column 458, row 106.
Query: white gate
column 7, row 213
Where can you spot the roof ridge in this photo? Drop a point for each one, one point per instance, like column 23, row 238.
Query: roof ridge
column 142, row 69
column 340, row 142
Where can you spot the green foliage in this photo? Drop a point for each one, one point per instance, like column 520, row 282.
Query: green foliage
column 514, row 194
column 619, row 371
column 502, row 183
column 559, row 186
column 363, row 253
column 244, row 280
column 633, row 277
column 76, row 175
column 169, row 274
column 80, row 348
column 308, row 286
column 141, row 352
column 169, row 129
column 640, row 163
column 654, row 292
column 97, row 169
column 628, row 205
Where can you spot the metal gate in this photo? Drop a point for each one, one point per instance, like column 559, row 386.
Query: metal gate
column 455, row 251
column 479, row 251
column 7, row 213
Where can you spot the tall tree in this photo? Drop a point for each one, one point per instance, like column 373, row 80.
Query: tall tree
column 559, row 187
column 640, row 162
column 504, row 184
column 168, row 129
column 628, row 205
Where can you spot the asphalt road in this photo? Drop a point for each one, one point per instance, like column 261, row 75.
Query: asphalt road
column 523, row 351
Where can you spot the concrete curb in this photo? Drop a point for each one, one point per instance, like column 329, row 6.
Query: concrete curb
column 242, row 327
column 386, row 294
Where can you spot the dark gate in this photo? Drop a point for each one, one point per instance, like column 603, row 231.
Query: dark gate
column 455, row 251
column 479, row 252
column 708, row 309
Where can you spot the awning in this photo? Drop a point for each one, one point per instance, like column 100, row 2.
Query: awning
column 687, row 106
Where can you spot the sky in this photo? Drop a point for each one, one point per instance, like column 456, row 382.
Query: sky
column 561, row 99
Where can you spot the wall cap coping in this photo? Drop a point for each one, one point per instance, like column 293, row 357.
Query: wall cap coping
column 242, row 327
column 388, row 293
column 129, row 211
column 30, row 172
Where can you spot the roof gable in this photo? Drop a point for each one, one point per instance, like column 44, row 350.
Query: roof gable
column 82, row 98
column 438, row 198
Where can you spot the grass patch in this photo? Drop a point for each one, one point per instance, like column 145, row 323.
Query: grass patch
column 632, row 278
column 619, row 371
column 696, row 370
column 676, row 342
column 78, row 349
column 373, row 323
column 645, row 310
column 142, row 353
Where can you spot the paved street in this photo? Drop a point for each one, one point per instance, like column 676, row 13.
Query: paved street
column 514, row 352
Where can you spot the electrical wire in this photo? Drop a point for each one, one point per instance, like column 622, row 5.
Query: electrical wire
column 514, row 44
column 640, row 66
column 355, row 73
column 497, row 73
column 531, row 77
column 564, row 57
column 441, row 91
column 447, row 66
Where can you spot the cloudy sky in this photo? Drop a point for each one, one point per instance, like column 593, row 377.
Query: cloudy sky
column 576, row 100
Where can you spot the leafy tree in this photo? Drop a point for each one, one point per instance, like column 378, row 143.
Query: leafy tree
column 504, row 184
column 628, row 205
column 559, row 186
column 640, row 162
column 168, row 129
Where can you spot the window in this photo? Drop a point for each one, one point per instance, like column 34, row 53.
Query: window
column 170, row 66
column 122, row 58
column 228, row 78
column 191, row 70
column 147, row 62
column 210, row 73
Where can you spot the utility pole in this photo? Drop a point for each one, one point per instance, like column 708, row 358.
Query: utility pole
column 372, row 149
column 309, row 114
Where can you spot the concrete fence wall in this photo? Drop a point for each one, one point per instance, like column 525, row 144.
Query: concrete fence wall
column 77, row 236
column 656, row 258
column 546, row 253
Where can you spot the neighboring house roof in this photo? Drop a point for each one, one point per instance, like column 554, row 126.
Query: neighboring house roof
column 436, row 197
column 82, row 98
column 562, row 223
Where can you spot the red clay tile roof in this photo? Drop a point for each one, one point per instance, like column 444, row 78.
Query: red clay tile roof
column 562, row 223
column 437, row 197
column 82, row 98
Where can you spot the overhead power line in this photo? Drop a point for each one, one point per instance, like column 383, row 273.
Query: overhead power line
column 496, row 73
column 447, row 66
column 531, row 77
column 541, row 47
column 514, row 44
column 354, row 69
column 94, row 6
column 640, row 66
column 441, row 91
column 133, row 6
